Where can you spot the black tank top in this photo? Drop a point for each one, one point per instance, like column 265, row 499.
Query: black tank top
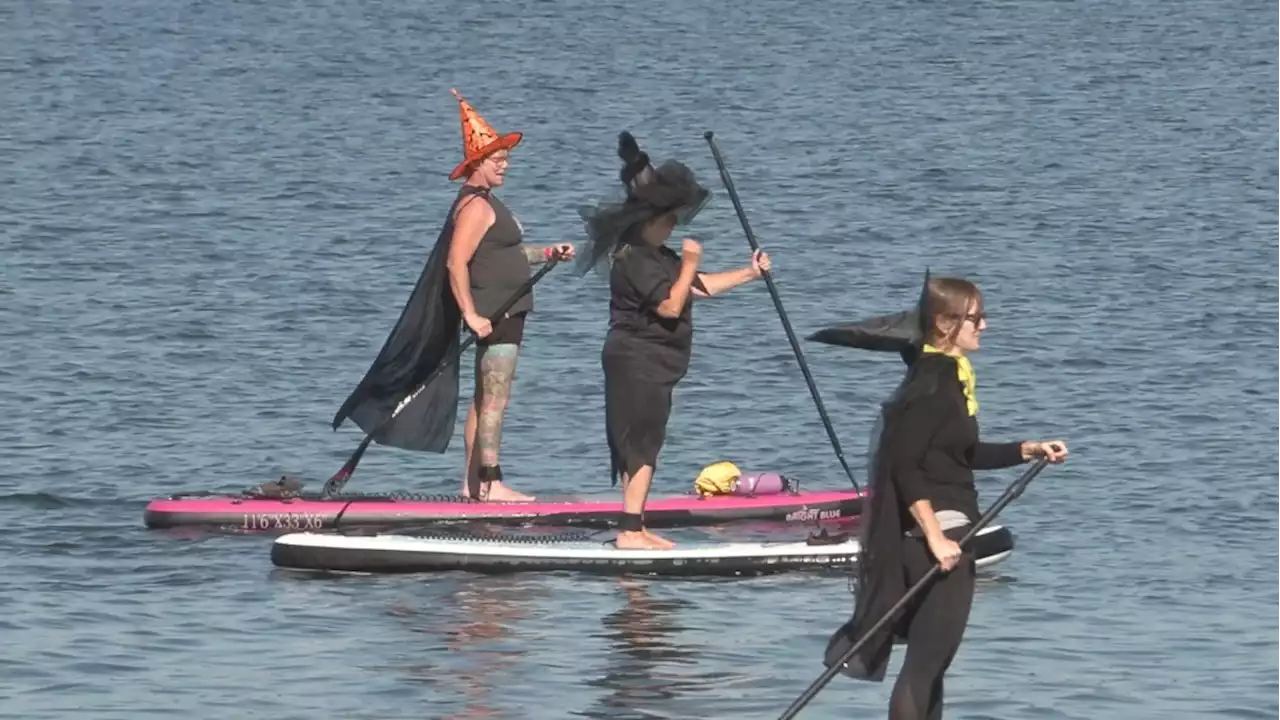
column 499, row 267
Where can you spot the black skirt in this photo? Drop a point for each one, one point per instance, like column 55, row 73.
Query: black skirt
column 638, row 387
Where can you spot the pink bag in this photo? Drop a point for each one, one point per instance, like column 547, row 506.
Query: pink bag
column 766, row 483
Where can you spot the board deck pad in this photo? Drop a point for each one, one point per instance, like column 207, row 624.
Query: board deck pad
column 444, row 552
column 251, row 513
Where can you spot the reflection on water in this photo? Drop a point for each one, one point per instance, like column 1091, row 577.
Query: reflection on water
column 463, row 627
column 645, row 648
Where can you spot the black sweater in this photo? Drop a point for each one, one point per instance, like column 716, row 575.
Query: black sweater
column 935, row 447
column 928, row 449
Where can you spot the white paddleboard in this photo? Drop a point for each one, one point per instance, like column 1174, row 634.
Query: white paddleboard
column 401, row 553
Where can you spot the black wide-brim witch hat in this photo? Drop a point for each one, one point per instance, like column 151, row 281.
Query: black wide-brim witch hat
column 651, row 192
column 901, row 332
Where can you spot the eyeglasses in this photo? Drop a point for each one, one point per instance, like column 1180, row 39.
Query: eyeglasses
column 975, row 318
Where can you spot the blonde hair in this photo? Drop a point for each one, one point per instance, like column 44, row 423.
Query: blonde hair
column 949, row 298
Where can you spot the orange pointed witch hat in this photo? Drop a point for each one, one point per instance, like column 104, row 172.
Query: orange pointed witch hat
column 478, row 139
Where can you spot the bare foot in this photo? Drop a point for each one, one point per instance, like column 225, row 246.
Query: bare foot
column 664, row 543
column 637, row 540
column 501, row 493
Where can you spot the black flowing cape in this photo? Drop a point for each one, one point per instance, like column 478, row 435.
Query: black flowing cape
column 425, row 336
column 880, row 582
column 879, row 574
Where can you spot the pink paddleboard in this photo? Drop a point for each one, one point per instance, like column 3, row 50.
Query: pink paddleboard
column 251, row 513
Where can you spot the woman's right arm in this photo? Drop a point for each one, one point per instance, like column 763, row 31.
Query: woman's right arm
column 915, row 431
column 646, row 273
column 472, row 222
column 679, row 295
column 690, row 254
column 944, row 549
column 912, row 434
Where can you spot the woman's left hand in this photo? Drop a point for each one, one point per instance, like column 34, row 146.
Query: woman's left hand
column 1054, row 450
column 760, row 262
column 566, row 250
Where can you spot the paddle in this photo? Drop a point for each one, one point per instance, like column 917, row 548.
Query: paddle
column 340, row 478
column 1012, row 492
column 777, row 302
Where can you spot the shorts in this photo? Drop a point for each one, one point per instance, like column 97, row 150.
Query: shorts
column 508, row 331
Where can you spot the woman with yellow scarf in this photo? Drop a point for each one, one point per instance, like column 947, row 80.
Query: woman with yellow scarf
column 923, row 497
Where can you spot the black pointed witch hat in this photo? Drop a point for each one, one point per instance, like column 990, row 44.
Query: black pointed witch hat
column 651, row 191
column 902, row 332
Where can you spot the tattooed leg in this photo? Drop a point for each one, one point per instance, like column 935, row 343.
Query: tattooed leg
column 473, row 485
column 470, row 478
column 497, row 373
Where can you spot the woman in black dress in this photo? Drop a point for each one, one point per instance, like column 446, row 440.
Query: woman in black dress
column 923, row 497
column 650, row 339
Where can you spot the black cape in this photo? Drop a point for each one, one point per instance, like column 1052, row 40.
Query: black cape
column 425, row 336
column 879, row 575
column 879, row 578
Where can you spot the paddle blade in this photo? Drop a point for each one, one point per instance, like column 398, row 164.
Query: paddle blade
column 340, row 478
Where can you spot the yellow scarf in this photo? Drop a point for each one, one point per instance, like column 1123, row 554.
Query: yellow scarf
column 964, row 370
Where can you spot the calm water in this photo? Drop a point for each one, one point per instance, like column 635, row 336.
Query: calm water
column 210, row 214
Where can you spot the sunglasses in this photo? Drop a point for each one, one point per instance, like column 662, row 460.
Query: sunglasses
column 975, row 318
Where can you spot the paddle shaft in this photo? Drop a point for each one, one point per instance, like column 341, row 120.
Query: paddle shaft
column 1012, row 492
column 777, row 302
column 340, row 478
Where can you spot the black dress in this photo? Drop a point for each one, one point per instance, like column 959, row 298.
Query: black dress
column 645, row 355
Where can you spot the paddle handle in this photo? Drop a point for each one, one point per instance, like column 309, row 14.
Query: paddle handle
column 777, row 303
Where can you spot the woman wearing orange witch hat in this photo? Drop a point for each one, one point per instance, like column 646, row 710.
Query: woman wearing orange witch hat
column 488, row 262
column 478, row 263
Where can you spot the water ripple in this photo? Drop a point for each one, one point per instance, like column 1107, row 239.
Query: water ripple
column 210, row 215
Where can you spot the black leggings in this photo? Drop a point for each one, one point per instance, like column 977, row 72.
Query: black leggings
column 937, row 618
